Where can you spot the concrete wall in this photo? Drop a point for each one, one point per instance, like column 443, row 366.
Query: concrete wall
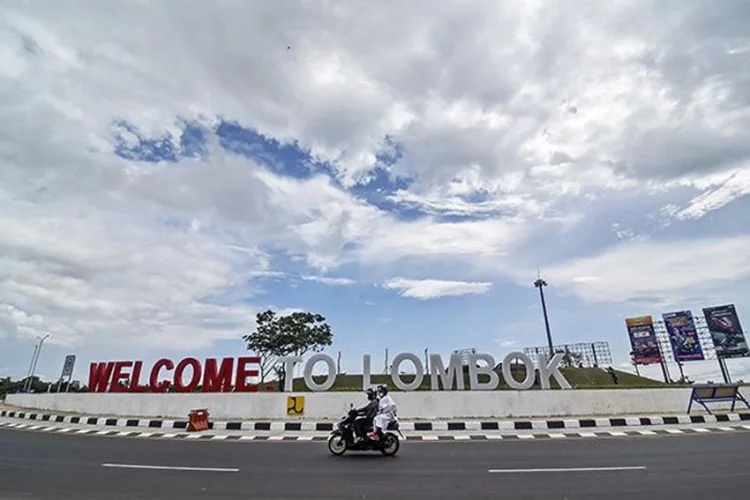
column 332, row 405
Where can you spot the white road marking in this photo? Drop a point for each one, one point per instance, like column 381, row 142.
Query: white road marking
column 494, row 436
column 525, row 436
column 556, row 436
column 701, row 429
column 276, row 438
column 579, row 469
column 674, row 431
column 124, row 433
column 305, row 438
column 587, row 434
column 647, row 433
column 83, row 431
column 36, row 427
column 247, row 438
column 429, row 438
column 170, row 467
column 47, row 429
column 193, row 436
column 101, row 433
column 221, row 436
column 727, row 429
column 461, row 437
column 746, row 427
column 65, row 429
column 617, row 434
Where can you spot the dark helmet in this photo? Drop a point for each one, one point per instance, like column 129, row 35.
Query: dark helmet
column 371, row 394
column 382, row 390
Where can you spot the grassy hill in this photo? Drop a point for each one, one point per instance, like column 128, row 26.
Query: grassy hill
column 579, row 378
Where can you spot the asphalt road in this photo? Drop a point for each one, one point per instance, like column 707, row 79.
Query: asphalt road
column 51, row 466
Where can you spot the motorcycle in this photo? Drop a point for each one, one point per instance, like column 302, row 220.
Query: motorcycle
column 342, row 438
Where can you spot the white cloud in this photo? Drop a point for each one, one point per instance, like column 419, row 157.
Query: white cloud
column 658, row 272
column 330, row 281
column 522, row 113
column 432, row 289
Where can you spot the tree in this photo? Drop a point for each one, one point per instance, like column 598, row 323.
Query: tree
column 294, row 334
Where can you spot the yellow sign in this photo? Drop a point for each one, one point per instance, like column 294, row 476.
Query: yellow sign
column 295, row 405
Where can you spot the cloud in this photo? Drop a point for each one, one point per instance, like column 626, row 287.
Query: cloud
column 657, row 272
column 432, row 289
column 130, row 213
column 330, row 281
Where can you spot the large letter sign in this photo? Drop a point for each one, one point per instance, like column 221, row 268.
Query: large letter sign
column 190, row 374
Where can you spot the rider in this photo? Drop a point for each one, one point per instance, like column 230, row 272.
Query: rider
column 368, row 412
column 386, row 413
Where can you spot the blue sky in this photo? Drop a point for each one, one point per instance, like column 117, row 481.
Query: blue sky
column 161, row 186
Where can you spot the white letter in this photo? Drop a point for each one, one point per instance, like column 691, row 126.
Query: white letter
column 552, row 370
column 289, row 362
column 508, row 376
column 455, row 372
column 475, row 370
column 418, row 378
column 365, row 372
column 330, row 378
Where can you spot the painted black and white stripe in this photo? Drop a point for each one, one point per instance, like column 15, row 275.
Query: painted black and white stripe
column 415, row 426
column 207, row 436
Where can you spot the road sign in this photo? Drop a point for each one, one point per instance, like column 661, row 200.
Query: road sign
column 70, row 362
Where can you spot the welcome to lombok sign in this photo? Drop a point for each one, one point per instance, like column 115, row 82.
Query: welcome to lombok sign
column 214, row 376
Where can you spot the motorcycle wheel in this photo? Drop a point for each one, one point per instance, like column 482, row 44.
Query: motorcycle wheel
column 391, row 445
column 337, row 444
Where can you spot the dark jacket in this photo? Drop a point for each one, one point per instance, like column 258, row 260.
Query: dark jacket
column 370, row 409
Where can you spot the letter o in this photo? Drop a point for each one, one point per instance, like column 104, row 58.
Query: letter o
column 528, row 382
column 396, row 377
column 178, row 372
column 330, row 378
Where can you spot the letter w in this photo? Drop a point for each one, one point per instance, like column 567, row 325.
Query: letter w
column 218, row 380
column 99, row 376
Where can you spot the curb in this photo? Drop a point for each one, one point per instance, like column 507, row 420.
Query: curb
column 417, row 426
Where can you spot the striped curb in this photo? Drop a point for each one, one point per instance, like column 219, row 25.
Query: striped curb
column 419, row 438
column 468, row 425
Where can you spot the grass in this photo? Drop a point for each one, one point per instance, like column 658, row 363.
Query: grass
column 579, row 378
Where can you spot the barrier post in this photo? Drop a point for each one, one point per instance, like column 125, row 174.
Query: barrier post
column 198, row 420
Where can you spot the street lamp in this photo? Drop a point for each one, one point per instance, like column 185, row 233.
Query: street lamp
column 35, row 359
column 540, row 284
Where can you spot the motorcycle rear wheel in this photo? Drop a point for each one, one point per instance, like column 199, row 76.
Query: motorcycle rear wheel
column 391, row 445
column 337, row 444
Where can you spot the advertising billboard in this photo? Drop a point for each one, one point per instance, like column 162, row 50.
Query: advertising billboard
column 683, row 336
column 643, row 340
column 726, row 332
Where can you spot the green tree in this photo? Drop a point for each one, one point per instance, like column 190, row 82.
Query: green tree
column 293, row 334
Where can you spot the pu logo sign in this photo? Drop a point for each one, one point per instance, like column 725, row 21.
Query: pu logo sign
column 212, row 376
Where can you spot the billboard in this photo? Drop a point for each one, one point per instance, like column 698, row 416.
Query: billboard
column 643, row 340
column 683, row 336
column 726, row 332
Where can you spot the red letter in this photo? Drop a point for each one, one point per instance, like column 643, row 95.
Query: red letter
column 221, row 381
column 190, row 387
column 135, row 380
column 99, row 375
column 243, row 373
column 155, row 386
column 118, row 375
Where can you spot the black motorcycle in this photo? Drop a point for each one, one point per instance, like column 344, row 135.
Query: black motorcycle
column 343, row 438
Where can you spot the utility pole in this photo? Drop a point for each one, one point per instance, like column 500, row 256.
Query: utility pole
column 540, row 284
column 31, row 365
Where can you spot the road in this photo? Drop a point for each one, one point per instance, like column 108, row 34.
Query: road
column 52, row 466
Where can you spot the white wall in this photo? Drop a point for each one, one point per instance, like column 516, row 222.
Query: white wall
column 332, row 405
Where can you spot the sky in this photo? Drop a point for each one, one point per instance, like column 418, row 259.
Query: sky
column 169, row 169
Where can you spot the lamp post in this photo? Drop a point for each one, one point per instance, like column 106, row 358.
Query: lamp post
column 35, row 360
column 540, row 284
